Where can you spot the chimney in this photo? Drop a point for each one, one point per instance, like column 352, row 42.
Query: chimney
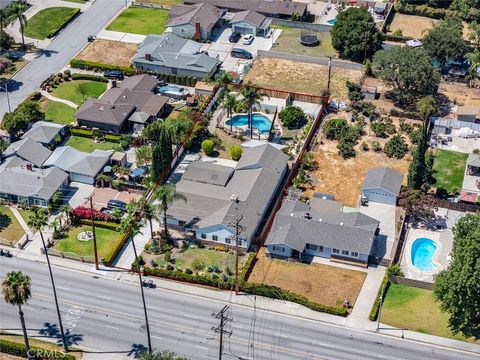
column 198, row 32
column 29, row 167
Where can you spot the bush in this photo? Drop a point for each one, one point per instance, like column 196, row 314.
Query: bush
column 82, row 132
column 90, row 65
column 198, row 264
column 113, row 138
column 83, row 212
column 395, row 270
column 376, row 146
column 335, row 128
column 167, row 256
column 425, row 10
column 18, row 349
column 396, row 147
column 146, row 247
column 354, row 91
column 365, row 146
column 376, row 305
column 89, row 77
column 346, row 150
column 208, row 146
column 236, row 152
column 378, row 129
column 292, row 117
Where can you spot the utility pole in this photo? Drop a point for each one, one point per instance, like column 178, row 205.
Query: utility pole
column 329, row 73
column 93, row 230
column 238, row 231
column 380, row 309
column 8, row 99
column 220, row 329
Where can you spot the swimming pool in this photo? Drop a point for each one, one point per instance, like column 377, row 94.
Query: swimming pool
column 261, row 122
column 332, row 21
column 422, row 254
column 172, row 91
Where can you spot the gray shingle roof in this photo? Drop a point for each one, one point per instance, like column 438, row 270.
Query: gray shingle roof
column 384, row 178
column 142, row 82
column 29, row 150
column 73, row 160
column 205, row 14
column 16, row 179
column 250, row 16
column 209, row 173
column 262, row 6
column 43, row 132
column 104, row 112
column 473, row 160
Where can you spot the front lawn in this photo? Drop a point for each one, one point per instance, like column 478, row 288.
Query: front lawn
column 10, row 229
column 66, row 90
column 415, row 309
column 88, row 145
column 57, row 112
column 448, row 170
column 48, row 22
column 140, row 21
column 25, row 214
column 163, row 2
column 106, row 240
column 289, row 42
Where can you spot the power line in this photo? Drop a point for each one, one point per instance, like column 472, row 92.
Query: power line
column 238, row 230
column 221, row 328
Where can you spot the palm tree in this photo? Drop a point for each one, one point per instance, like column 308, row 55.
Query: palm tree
column 104, row 178
column 16, row 291
column 225, row 78
column 251, row 97
column 474, row 58
column 150, row 214
column 66, row 209
column 17, row 12
column 166, row 194
column 38, row 220
column 229, row 102
column 474, row 35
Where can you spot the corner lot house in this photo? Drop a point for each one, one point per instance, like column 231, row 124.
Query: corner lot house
column 382, row 185
column 217, row 195
column 23, row 183
column 251, row 22
column 171, row 54
column 29, row 150
column 194, row 21
column 44, row 132
column 321, row 228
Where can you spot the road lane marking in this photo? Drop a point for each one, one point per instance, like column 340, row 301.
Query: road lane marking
column 111, row 327
column 237, row 326
column 201, row 347
column 63, row 288
column 157, row 337
column 190, row 316
column 104, row 297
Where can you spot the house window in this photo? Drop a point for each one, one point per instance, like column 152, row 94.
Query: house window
column 181, row 223
column 335, row 251
column 228, row 240
column 312, row 247
column 345, row 252
column 203, row 236
column 214, row 237
column 183, row 30
column 320, row 248
column 354, row 254
column 278, row 248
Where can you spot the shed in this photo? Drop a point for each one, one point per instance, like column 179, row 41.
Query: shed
column 467, row 113
column 119, row 158
column 370, row 92
column 382, row 185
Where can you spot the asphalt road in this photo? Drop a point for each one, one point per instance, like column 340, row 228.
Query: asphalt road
column 106, row 316
column 66, row 45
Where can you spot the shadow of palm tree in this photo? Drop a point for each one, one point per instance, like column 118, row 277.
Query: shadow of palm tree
column 52, row 331
column 137, row 349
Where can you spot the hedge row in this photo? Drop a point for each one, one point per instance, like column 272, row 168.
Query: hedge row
column 405, row 114
column 113, row 138
column 96, row 66
column 190, row 278
column 19, row 349
column 376, row 305
column 178, row 79
column 87, row 133
column 396, row 38
column 100, row 224
column 252, row 257
column 114, row 250
column 89, row 77
column 425, row 10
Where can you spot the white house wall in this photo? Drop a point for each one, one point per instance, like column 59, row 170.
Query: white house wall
column 280, row 250
column 380, row 195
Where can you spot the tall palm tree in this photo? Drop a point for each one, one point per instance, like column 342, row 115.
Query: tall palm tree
column 102, row 179
column 150, row 214
column 66, row 209
column 166, row 194
column 229, row 102
column 180, row 127
column 474, row 58
column 39, row 220
column 17, row 12
column 16, row 291
column 251, row 97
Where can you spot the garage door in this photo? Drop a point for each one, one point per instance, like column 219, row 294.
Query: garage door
column 380, row 197
column 243, row 30
column 81, row 178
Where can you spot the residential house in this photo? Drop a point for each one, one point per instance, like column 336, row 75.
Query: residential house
column 171, row 54
column 217, row 195
column 471, row 180
column 251, row 22
column 5, row 3
column 271, row 8
column 25, row 184
column 81, row 167
column 382, row 185
column 194, row 21
column 468, row 114
column 45, row 132
column 29, row 150
column 321, row 228
column 133, row 103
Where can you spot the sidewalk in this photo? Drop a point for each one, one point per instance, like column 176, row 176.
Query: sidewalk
column 53, row 98
column 120, row 36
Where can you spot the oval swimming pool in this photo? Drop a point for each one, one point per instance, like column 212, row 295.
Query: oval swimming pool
column 422, row 254
column 259, row 121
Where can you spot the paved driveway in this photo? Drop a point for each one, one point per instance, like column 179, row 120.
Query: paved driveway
column 460, row 144
column 78, row 193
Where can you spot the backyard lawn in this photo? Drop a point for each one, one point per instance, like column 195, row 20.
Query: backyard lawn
column 226, row 142
column 448, row 170
column 10, row 229
column 47, row 22
column 66, row 90
column 289, row 42
column 57, row 112
column 106, row 240
column 88, row 145
column 415, row 309
column 140, row 21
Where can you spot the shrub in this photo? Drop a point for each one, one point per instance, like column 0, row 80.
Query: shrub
column 376, row 146
column 82, row 132
column 334, row 128
column 346, row 150
column 18, row 349
column 90, row 65
column 376, row 304
column 208, row 146
column 396, row 147
column 83, row 212
column 198, row 265
column 146, row 247
column 365, row 146
column 378, row 129
column 395, row 270
column 113, row 138
column 167, row 256
column 354, row 91
column 292, row 117
column 236, row 152
column 476, row 151
column 169, row 267
column 154, row 263
column 188, row 271
column 89, row 77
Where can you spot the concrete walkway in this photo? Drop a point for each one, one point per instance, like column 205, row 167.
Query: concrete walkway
column 53, row 98
column 120, row 36
column 23, row 224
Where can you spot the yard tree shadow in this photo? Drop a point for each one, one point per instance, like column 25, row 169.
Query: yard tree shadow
column 136, row 350
column 5, row 221
column 53, row 331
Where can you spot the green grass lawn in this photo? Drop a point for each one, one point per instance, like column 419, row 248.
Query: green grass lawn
column 25, row 214
column 448, row 170
column 415, row 309
column 47, row 22
column 88, row 145
column 226, row 142
column 10, row 229
column 289, row 42
column 58, row 112
column 66, row 90
column 106, row 240
column 140, row 21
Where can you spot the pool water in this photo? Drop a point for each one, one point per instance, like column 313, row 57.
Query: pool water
column 171, row 89
column 422, row 254
column 332, row 21
column 259, row 121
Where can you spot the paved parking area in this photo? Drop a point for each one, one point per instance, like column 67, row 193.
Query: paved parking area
column 460, row 144
column 221, row 46
column 101, row 196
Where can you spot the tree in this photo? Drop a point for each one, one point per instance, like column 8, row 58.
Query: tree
column 102, row 179
column 334, row 129
column 17, row 12
column 16, row 290
column 20, row 119
column 150, row 214
column 354, row 91
column 474, row 58
column 251, row 98
column 162, row 154
column 143, row 154
column 408, row 70
column 426, row 108
column 474, row 33
column 179, row 127
column 166, row 194
column 229, row 102
column 160, row 355
column 457, row 288
column 396, row 147
column 82, row 90
column 207, row 146
column 355, row 35
column 444, row 41
column 292, row 117
column 420, row 206
column 468, row 9
column 236, row 152
column 39, row 220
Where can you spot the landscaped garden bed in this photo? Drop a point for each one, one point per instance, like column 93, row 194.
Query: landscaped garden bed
column 138, row 20
column 10, row 229
column 48, row 22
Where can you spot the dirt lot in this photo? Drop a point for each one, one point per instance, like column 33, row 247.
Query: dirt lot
column 300, row 77
column 324, row 284
column 108, row 52
column 460, row 94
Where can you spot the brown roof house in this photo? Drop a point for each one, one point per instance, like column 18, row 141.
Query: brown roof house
column 132, row 103
column 194, row 21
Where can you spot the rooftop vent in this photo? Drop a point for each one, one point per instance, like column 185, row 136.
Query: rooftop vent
column 234, row 197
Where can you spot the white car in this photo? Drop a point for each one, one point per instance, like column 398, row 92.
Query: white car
column 248, row 39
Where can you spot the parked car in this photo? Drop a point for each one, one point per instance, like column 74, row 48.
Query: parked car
column 241, row 53
column 248, row 39
column 112, row 204
column 113, row 74
column 149, row 284
column 91, row 38
column 234, row 37
column 6, row 253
